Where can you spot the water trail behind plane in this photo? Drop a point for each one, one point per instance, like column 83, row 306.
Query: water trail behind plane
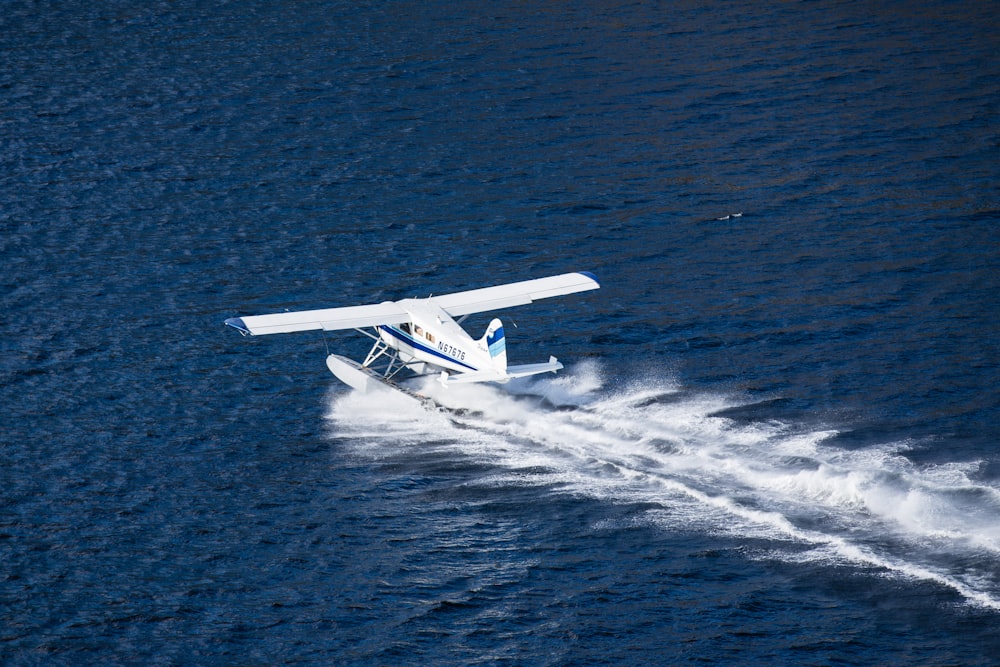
column 653, row 443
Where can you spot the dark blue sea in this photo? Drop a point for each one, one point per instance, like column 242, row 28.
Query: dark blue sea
column 777, row 436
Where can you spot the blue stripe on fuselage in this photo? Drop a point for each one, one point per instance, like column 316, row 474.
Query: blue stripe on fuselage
column 411, row 341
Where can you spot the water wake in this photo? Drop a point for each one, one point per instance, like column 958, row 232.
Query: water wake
column 655, row 444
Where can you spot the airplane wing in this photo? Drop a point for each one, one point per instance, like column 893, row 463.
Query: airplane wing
column 328, row 319
column 455, row 304
column 515, row 294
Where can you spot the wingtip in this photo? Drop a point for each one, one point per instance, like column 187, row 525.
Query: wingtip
column 238, row 324
column 591, row 276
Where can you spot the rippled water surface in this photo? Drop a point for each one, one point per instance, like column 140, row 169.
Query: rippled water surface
column 775, row 438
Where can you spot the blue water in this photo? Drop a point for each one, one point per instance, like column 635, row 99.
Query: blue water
column 776, row 438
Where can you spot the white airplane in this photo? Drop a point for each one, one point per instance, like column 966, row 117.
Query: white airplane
column 421, row 335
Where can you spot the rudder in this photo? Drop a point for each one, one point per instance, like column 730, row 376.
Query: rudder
column 496, row 343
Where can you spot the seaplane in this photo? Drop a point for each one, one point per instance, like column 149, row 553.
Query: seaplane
column 421, row 337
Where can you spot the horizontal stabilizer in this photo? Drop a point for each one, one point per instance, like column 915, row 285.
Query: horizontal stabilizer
column 534, row 369
column 493, row 376
column 471, row 377
column 328, row 319
column 515, row 294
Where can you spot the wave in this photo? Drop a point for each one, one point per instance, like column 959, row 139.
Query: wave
column 654, row 443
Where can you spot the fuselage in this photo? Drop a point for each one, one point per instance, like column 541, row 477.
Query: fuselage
column 433, row 337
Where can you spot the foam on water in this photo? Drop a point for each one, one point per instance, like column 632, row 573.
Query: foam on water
column 653, row 443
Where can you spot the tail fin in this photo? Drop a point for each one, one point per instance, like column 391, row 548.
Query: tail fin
column 495, row 341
